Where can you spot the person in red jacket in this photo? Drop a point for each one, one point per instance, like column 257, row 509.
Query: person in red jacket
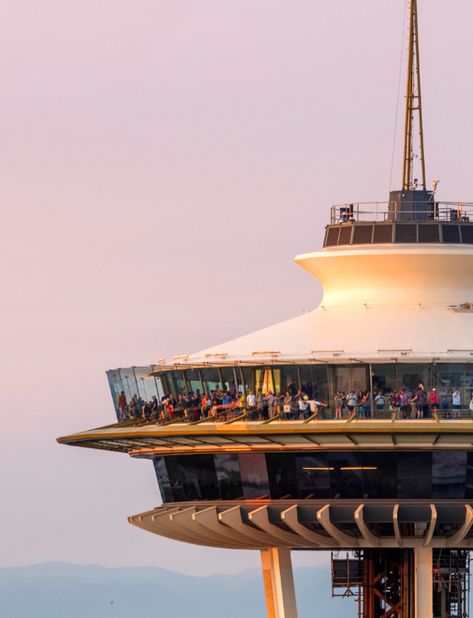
column 122, row 406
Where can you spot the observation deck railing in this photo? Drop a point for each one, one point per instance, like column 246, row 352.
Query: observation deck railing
column 235, row 412
column 369, row 212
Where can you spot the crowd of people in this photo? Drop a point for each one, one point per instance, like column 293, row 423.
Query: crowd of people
column 403, row 403
column 223, row 404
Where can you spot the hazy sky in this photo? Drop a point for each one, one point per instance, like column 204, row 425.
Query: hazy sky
column 161, row 163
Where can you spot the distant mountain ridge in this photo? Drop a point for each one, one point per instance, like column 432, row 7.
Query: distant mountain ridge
column 64, row 590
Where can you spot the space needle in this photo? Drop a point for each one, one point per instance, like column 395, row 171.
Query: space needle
column 346, row 429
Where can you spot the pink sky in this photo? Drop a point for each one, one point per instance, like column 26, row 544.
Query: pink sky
column 161, row 164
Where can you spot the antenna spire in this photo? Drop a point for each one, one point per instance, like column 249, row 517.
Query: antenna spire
column 413, row 109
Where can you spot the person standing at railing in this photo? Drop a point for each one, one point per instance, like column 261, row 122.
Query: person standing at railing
column 380, row 401
column 270, row 401
column 404, row 400
column 303, row 403
column 352, row 402
column 433, row 400
column 367, row 404
column 457, row 403
column 122, row 406
column 251, row 404
column 339, row 399
column 420, row 399
column 287, row 406
column 203, row 405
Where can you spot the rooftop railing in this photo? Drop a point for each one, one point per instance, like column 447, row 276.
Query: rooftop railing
column 455, row 212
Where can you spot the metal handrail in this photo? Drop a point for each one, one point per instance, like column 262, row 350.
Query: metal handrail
column 380, row 211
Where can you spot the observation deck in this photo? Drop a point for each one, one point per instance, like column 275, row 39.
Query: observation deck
column 366, row 223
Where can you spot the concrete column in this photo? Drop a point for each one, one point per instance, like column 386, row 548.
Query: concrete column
column 423, row 582
column 278, row 583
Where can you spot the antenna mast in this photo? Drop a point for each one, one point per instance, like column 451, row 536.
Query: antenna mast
column 413, row 107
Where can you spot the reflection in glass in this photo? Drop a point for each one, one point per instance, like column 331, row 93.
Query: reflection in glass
column 228, row 476
column 384, row 378
column 183, row 475
column 346, row 474
column 448, row 474
column 414, row 475
column 313, row 476
column 163, row 479
column 211, row 378
column 318, row 475
column 206, row 477
column 254, row 475
column 282, row 475
column 193, row 380
column 379, row 475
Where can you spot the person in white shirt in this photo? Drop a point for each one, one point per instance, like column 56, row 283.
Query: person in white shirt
column 457, row 403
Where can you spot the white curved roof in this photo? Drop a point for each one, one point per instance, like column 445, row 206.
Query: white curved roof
column 389, row 301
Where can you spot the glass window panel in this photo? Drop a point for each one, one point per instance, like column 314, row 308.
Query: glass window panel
column 447, row 378
column 228, row 379
column 469, row 475
column 384, row 378
column 379, row 475
column 176, row 379
column 116, row 387
column 448, row 474
column 320, row 383
column 307, row 380
column 332, row 236
column 146, row 383
column 163, row 479
column 264, row 380
column 343, row 379
column 406, row 233
column 345, row 235
column 254, row 475
column 227, row 467
column 249, row 377
column 350, row 378
column 129, row 383
column 282, row 475
column 207, row 477
column 289, row 379
column 313, row 476
column 346, row 475
column 383, row 233
column 467, row 234
column 277, row 379
column 411, row 375
column 414, row 475
column 193, row 380
column 211, row 378
column 183, row 475
column 359, row 381
column 314, row 381
column 429, row 233
column 363, row 234
column 451, row 233
column 468, row 385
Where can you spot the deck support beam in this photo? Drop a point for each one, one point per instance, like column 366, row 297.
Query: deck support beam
column 278, row 583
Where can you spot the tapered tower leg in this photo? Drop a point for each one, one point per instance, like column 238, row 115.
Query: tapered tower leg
column 278, row 583
column 423, row 582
